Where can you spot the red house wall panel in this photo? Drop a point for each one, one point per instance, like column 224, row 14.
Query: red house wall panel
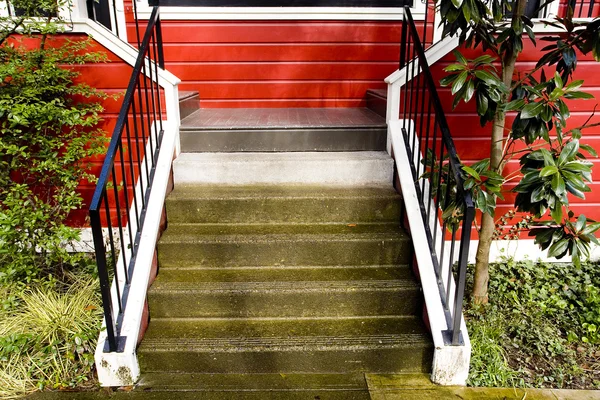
column 279, row 63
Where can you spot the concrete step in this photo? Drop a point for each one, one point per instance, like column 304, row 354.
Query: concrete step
column 365, row 168
column 273, row 130
column 282, row 327
column 251, row 204
column 283, row 299
column 256, row 386
column 173, row 272
column 282, row 249
column 313, row 354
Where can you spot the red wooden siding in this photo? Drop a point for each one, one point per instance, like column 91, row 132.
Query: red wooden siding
column 279, row 63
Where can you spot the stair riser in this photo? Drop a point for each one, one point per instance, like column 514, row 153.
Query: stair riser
column 280, row 327
column 311, row 168
column 188, row 105
column 174, row 273
column 284, row 304
column 413, row 359
column 273, row 210
column 317, row 252
column 231, row 394
column 275, row 140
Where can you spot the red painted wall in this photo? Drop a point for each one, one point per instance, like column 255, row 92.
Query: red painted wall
column 279, row 63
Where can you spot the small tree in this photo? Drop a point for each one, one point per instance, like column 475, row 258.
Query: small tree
column 552, row 161
column 47, row 130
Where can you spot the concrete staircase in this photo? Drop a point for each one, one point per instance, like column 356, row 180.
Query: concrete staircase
column 298, row 287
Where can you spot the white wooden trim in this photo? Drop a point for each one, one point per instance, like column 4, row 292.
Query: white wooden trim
column 450, row 363
column 433, row 55
column 280, row 13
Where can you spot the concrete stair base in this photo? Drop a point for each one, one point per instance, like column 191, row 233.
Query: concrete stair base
column 306, row 281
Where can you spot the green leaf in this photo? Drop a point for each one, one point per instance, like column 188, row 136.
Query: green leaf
column 455, row 67
column 469, row 91
column 514, row 105
column 559, row 248
column 487, row 77
column 568, row 151
column 579, row 95
column 558, row 184
column 459, row 57
column 589, row 149
column 548, row 170
column 459, row 82
column 532, row 110
column 471, row 172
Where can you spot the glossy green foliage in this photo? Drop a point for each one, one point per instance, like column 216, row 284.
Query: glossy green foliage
column 552, row 165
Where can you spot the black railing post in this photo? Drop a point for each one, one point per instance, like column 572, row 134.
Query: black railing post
column 111, row 329
column 159, row 41
column 465, row 239
column 403, row 41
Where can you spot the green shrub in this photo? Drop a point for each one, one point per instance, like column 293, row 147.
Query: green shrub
column 46, row 135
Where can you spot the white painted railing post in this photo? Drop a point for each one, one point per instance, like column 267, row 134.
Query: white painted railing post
column 392, row 108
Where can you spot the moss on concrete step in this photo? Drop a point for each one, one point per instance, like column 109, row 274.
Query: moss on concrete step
column 374, row 353
column 203, row 382
column 285, row 249
column 284, row 299
column 282, row 327
column 291, row 204
column 198, row 273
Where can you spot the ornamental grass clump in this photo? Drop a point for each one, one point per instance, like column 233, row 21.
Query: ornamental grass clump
column 48, row 338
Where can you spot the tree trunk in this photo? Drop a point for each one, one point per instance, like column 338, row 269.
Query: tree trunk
column 509, row 60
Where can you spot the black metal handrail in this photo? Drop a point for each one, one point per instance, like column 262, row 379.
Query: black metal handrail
column 128, row 172
column 437, row 174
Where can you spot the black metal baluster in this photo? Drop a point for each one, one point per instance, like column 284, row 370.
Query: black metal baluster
column 126, row 194
column 132, row 171
column 142, row 127
column 427, row 131
column 120, row 224
column 139, row 158
column 111, row 241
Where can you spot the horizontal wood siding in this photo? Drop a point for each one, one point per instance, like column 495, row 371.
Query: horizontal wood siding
column 279, row 63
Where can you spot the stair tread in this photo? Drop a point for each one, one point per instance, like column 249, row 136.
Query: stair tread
column 240, row 192
column 270, row 118
column 280, row 231
column 258, row 268
column 179, row 237
column 215, row 327
column 279, row 286
column 245, row 344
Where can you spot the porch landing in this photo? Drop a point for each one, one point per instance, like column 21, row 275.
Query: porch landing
column 283, row 130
